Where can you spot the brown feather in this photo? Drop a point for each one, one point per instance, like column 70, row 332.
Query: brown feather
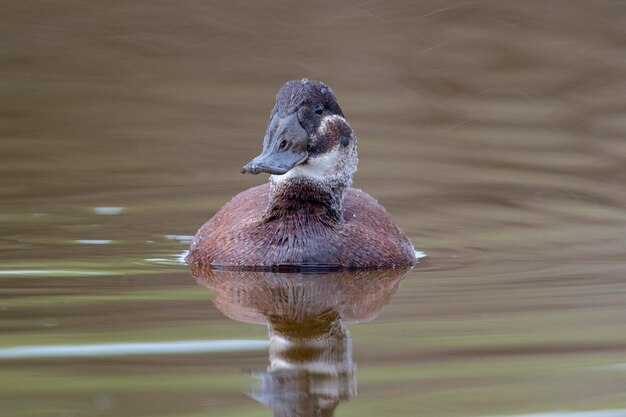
column 301, row 231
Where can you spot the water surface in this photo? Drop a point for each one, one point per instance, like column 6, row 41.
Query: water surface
column 493, row 132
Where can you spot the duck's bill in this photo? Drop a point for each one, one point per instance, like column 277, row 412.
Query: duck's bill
column 284, row 147
column 274, row 163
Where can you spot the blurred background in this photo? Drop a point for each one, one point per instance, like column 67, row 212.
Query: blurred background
column 492, row 131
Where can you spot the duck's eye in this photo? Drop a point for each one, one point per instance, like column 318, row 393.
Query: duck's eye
column 319, row 108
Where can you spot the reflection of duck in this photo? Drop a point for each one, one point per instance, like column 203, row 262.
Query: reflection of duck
column 308, row 214
column 311, row 368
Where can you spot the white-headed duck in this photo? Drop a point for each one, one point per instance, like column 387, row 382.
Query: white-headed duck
column 308, row 215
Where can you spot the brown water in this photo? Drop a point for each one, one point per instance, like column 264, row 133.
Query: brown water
column 493, row 132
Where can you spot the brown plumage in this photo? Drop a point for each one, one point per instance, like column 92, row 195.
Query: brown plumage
column 308, row 214
column 301, row 232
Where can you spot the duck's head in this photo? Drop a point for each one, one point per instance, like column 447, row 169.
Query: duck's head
column 307, row 136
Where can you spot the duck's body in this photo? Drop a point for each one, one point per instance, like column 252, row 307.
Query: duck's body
column 307, row 214
column 241, row 234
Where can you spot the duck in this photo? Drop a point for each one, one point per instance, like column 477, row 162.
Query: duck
column 307, row 215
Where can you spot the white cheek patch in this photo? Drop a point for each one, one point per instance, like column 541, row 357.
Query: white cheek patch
column 322, row 166
column 318, row 167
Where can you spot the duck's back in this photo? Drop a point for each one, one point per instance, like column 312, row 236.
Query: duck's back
column 241, row 235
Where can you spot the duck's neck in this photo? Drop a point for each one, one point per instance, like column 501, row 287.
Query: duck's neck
column 321, row 199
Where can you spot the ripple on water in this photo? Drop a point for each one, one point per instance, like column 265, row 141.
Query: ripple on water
column 94, row 241
column 621, row 412
column 108, row 211
column 173, row 259
column 180, row 238
column 53, row 272
column 124, row 349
